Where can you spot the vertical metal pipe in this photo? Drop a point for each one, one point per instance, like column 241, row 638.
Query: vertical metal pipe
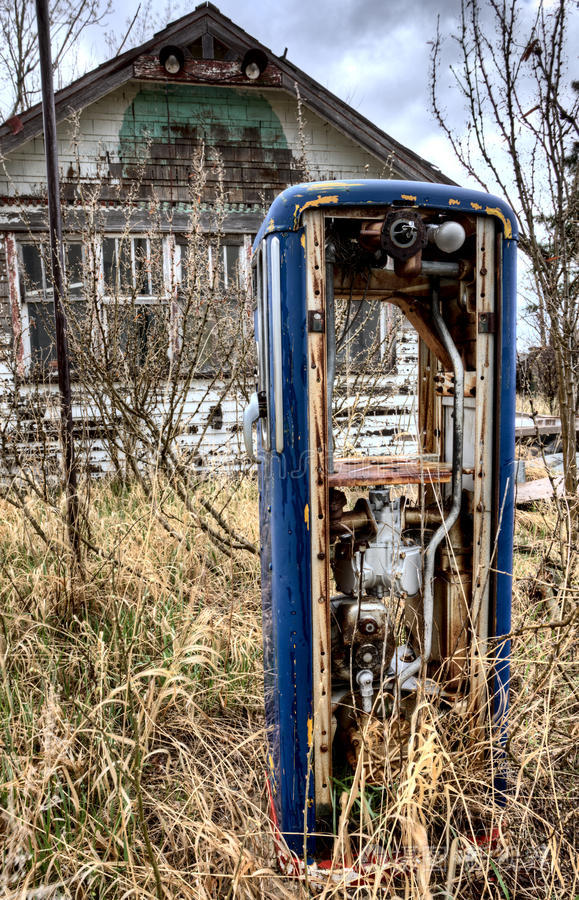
column 456, row 489
column 331, row 346
column 57, row 266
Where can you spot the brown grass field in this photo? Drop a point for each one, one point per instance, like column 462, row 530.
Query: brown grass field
column 132, row 734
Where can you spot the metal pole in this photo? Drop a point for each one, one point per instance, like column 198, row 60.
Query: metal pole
column 331, row 345
column 57, row 266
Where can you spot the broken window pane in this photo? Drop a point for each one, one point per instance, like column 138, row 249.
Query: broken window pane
column 74, row 269
column 109, row 265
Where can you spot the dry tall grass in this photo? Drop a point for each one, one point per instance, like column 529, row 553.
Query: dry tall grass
column 133, row 735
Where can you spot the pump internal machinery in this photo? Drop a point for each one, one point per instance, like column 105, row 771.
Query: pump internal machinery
column 371, row 560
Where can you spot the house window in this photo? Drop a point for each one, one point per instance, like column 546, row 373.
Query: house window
column 232, row 265
column 211, row 280
column 136, row 312
column 132, row 266
column 365, row 335
column 225, row 263
column 135, row 291
column 37, row 294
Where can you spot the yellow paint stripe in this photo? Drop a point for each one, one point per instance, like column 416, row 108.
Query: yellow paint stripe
column 320, row 201
column 508, row 226
column 319, row 185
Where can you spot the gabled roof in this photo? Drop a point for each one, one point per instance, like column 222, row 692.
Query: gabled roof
column 142, row 63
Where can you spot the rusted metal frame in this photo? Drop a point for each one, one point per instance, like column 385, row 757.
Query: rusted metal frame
column 417, row 311
column 444, row 384
column 382, row 283
column 380, row 280
column 319, row 516
column 420, row 317
column 429, row 415
column 483, row 462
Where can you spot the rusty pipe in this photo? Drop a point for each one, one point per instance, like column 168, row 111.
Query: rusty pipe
column 330, row 346
column 456, row 489
column 416, row 518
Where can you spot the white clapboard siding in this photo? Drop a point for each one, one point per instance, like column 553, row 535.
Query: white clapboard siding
column 374, row 419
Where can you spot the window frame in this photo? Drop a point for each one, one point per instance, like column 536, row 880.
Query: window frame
column 386, row 325
column 169, row 283
column 44, row 296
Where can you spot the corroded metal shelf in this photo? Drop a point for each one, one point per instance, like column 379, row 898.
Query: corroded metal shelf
column 369, row 470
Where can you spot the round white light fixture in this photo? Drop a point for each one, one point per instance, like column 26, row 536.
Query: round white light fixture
column 172, row 59
column 254, row 64
column 448, row 237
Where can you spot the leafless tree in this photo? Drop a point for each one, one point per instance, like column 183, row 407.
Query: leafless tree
column 69, row 20
column 19, row 45
column 511, row 76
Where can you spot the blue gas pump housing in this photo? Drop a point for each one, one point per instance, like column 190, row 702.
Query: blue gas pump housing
column 345, row 533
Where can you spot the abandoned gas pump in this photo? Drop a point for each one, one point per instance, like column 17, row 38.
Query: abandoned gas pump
column 382, row 573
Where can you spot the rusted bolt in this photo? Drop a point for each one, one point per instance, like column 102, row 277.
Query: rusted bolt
column 321, row 555
column 324, row 748
column 483, row 271
column 368, row 626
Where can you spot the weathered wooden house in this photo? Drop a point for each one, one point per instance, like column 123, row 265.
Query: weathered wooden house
column 129, row 139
